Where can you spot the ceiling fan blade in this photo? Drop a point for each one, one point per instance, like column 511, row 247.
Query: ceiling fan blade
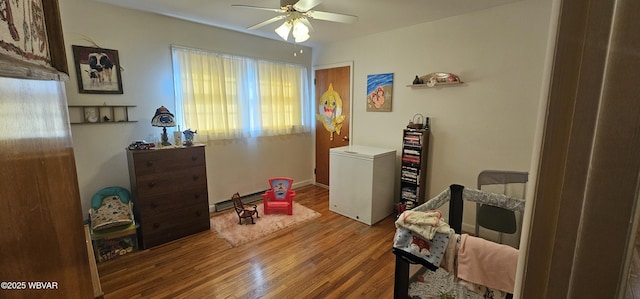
column 258, row 7
column 306, row 5
column 307, row 23
column 267, row 22
column 333, row 17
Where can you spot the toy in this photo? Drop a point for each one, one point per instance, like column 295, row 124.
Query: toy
column 188, row 136
column 141, row 145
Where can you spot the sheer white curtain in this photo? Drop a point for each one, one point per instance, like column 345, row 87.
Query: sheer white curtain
column 225, row 96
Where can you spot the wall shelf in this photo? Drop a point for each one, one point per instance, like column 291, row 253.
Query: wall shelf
column 99, row 114
column 435, row 80
column 436, row 85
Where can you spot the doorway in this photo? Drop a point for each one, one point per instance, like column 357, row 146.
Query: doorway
column 332, row 113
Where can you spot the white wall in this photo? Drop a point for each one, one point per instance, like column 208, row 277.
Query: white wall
column 486, row 123
column 143, row 41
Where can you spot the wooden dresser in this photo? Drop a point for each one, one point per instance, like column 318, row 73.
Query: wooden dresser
column 169, row 190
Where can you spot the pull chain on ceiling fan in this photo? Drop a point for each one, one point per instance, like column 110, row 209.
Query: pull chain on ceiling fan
column 295, row 15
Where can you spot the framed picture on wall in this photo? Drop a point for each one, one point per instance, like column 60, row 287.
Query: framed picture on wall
column 31, row 42
column 379, row 91
column 98, row 70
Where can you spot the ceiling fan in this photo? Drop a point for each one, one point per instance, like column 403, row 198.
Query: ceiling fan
column 296, row 15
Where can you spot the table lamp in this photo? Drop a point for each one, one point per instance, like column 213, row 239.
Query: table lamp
column 163, row 118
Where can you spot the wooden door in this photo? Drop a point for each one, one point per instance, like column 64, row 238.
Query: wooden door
column 42, row 236
column 333, row 98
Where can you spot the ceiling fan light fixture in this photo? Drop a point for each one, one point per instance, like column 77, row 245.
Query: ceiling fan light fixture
column 296, row 14
column 301, row 38
column 284, row 29
column 300, row 31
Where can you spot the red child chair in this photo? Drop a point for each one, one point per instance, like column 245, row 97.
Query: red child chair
column 279, row 197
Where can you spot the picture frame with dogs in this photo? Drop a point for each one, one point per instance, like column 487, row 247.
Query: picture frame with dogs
column 97, row 70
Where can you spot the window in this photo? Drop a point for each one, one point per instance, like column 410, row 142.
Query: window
column 224, row 96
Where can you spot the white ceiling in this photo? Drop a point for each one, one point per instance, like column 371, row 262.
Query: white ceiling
column 373, row 15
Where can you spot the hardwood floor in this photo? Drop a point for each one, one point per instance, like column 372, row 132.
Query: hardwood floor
column 330, row 256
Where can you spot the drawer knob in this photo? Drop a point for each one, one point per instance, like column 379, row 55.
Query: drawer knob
column 155, row 225
column 196, row 177
column 196, row 196
column 198, row 213
column 153, row 205
column 149, row 163
column 193, row 158
column 152, row 184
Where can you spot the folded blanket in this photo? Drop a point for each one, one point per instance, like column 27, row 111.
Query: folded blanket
column 448, row 262
column 427, row 223
column 487, row 263
column 419, row 250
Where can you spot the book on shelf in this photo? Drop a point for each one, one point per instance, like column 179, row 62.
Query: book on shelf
column 413, row 132
column 412, row 152
column 409, row 197
column 410, row 158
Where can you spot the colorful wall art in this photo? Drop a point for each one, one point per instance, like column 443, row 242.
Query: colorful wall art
column 98, row 70
column 379, row 92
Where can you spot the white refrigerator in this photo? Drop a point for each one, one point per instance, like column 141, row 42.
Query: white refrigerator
column 361, row 182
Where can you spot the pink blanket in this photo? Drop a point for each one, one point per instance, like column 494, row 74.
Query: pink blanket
column 487, row 263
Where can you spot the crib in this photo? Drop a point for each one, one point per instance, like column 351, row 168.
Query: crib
column 455, row 195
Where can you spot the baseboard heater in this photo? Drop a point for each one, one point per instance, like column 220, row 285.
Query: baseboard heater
column 249, row 198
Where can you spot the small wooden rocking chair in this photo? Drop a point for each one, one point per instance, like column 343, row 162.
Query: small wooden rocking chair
column 242, row 211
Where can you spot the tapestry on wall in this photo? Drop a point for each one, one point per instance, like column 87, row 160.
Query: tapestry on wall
column 379, row 91
column 23, row 33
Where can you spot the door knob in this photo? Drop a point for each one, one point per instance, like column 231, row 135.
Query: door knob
column 345, row 138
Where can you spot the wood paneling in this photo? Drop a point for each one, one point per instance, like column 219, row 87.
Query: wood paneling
column 330, row 256
column 41, row 230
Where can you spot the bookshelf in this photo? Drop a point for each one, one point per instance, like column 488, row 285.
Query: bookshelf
column 413, row 172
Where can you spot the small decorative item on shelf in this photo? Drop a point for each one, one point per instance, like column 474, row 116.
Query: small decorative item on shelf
column 188, row 136
column 91, row 116
column 163, row 118
column 416, row 122
column 177, row 137
column 435, row 79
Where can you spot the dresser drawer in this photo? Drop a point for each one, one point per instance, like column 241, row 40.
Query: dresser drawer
column 165, row 227
column 169, row 202
column 163, row 161
column 174, row 181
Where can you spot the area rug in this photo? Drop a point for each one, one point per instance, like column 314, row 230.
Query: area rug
column 226, row 225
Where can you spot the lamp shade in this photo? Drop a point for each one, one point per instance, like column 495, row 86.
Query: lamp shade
column 163, row 118
column 300, row 31
column 284, row 29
